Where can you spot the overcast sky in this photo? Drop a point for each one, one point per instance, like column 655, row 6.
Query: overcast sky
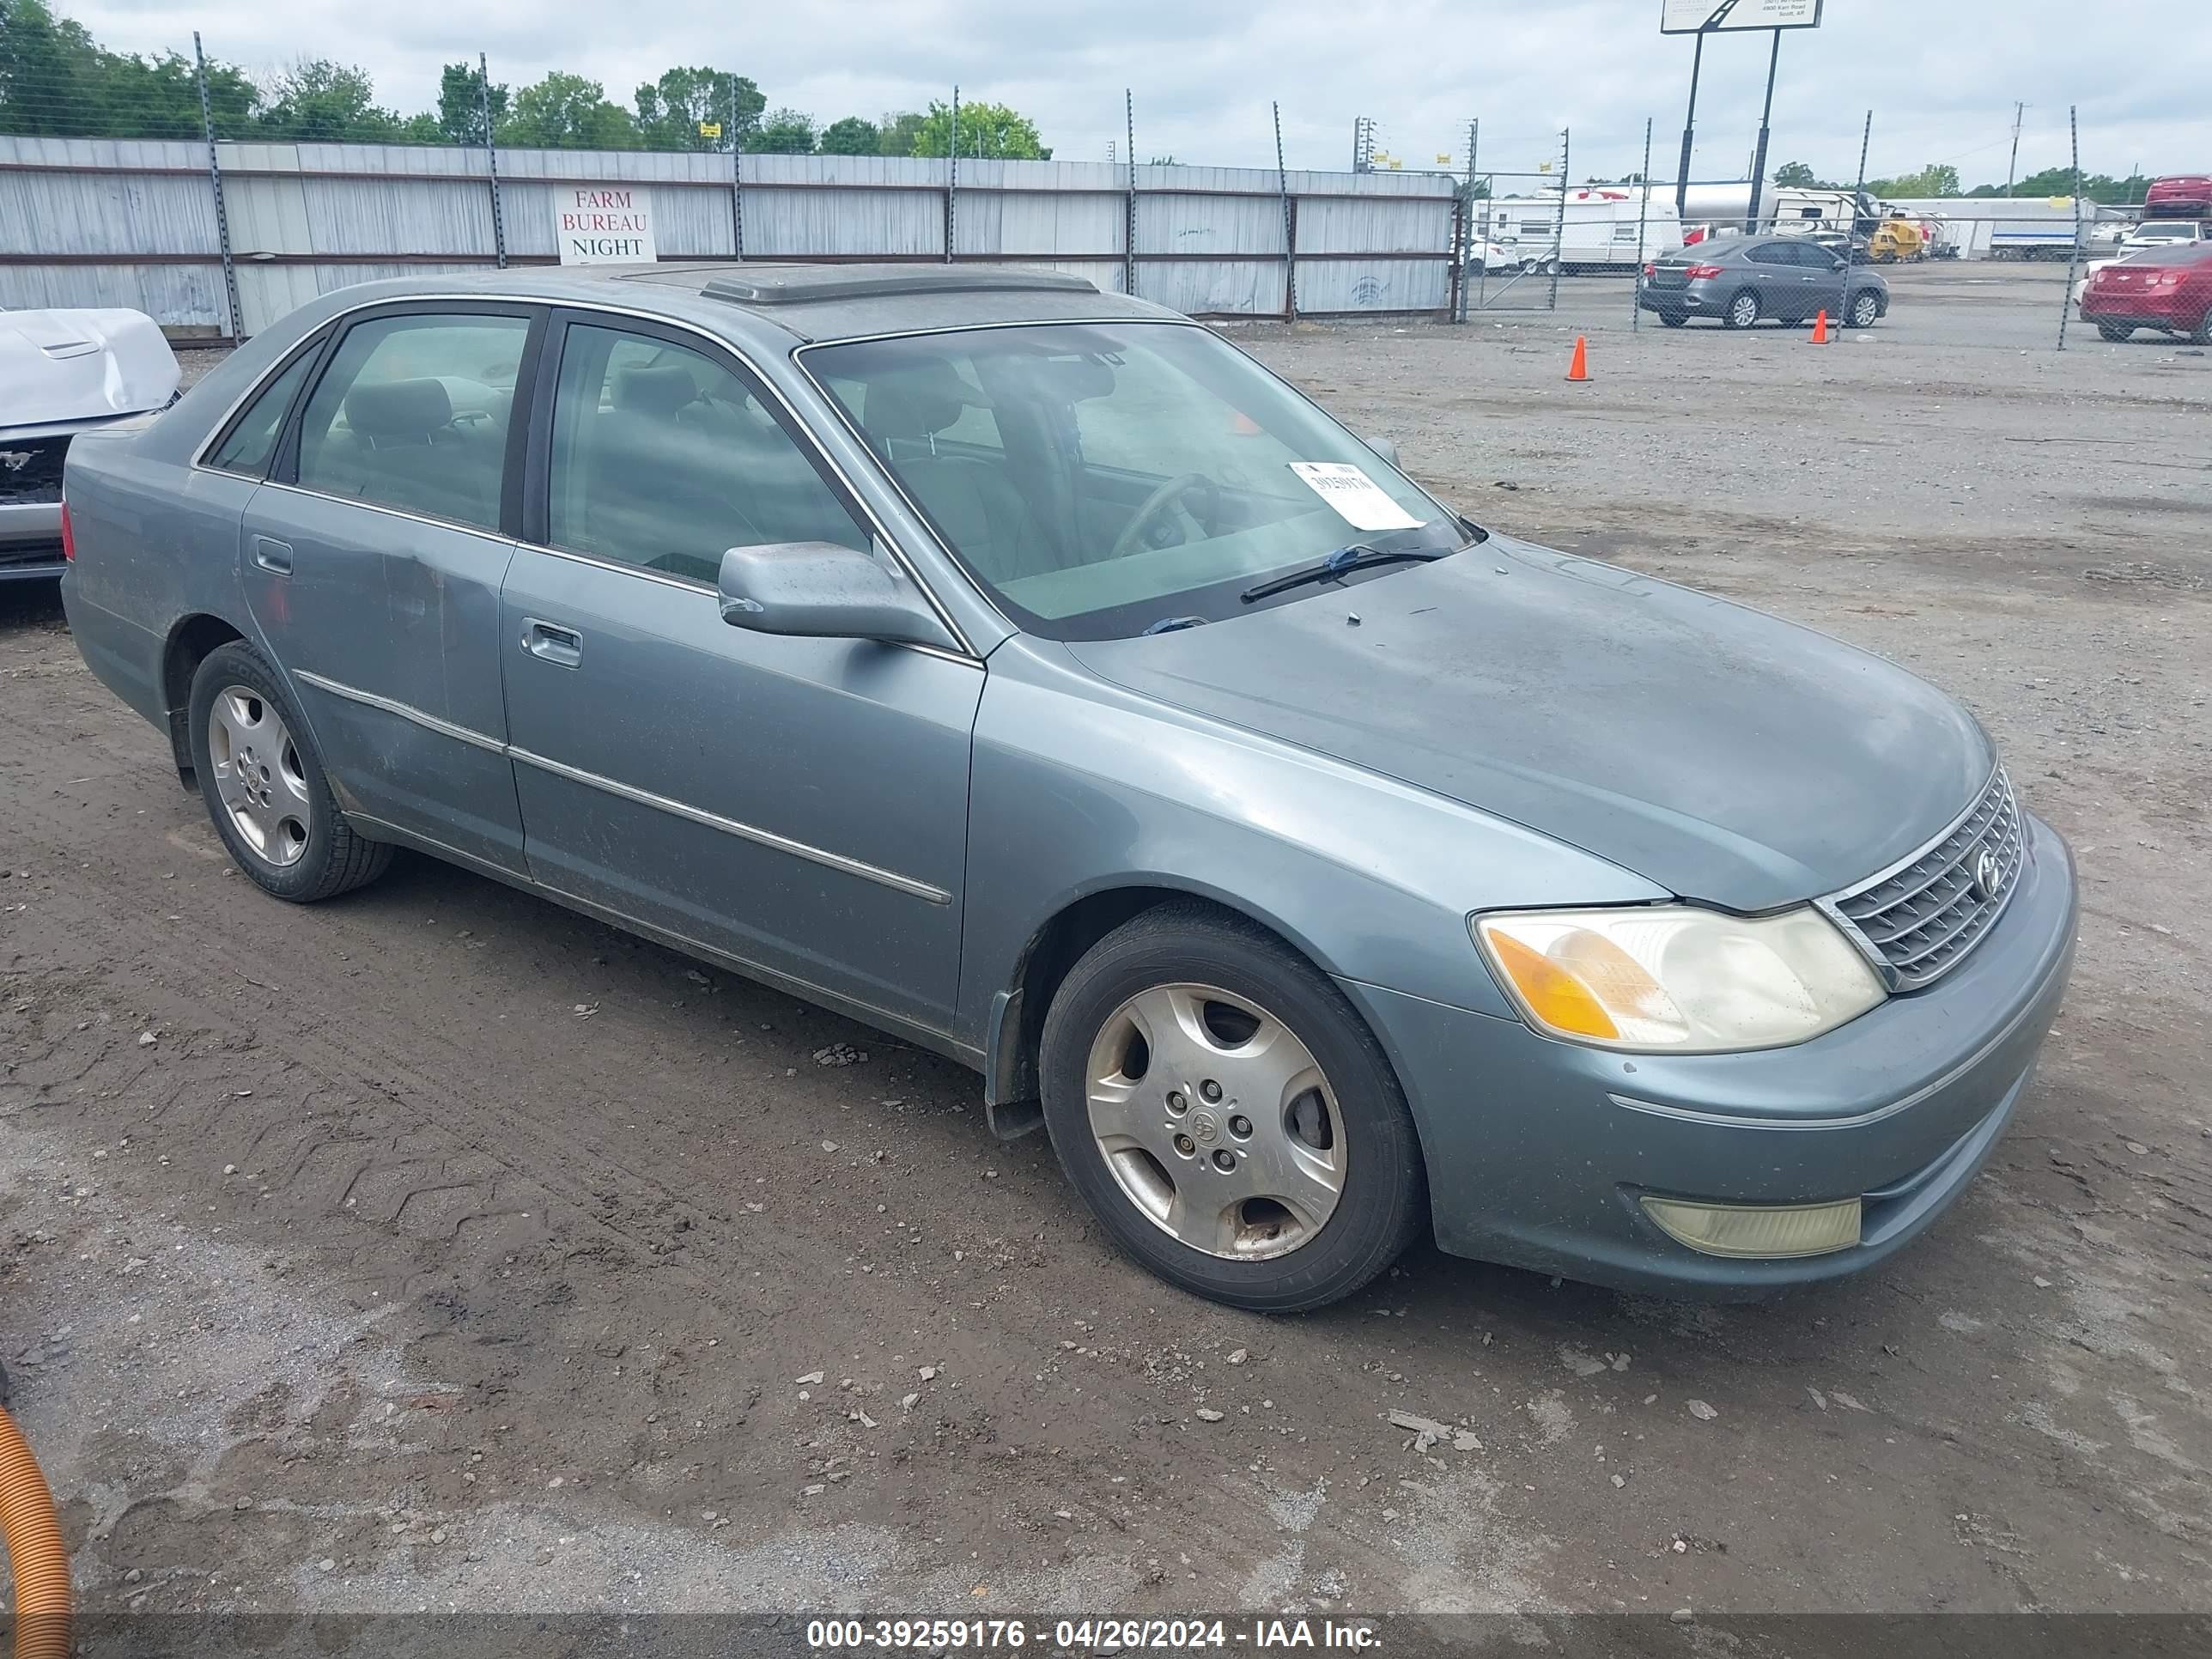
column 1940, row 75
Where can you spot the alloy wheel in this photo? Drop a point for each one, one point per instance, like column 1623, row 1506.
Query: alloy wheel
column 1216, row 1121
column 258, row 775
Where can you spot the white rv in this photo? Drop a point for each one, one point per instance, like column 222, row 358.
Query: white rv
column 1596, row 229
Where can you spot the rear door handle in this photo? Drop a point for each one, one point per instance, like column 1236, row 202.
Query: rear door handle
column 550, row 641
column 272, row 554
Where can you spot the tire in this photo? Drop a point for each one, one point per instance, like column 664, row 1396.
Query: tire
column 1221, row 996
column 1866, row 310
column 249, row 742
column 2202, row 334
column 2117, row 333
column 1671, row 319
column 1742, row 309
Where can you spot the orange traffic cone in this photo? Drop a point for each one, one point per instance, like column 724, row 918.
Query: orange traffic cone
column 1820, row 329
column 1579, row 368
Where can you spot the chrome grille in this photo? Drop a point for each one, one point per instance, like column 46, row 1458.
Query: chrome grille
column 1918, row 919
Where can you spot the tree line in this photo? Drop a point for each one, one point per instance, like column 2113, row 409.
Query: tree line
column 57, row 81
column 1940, row 179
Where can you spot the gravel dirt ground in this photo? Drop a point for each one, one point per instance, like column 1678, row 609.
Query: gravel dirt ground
column 436, row 1248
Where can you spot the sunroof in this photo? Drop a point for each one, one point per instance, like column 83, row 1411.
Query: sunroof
column 792, row 285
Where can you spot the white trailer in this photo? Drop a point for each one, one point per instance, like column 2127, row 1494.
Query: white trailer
column 1597, row 231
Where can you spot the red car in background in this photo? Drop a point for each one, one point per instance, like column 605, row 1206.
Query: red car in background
column 2184, row 196
column 2170, row 292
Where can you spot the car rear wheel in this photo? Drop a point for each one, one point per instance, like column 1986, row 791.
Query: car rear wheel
column 1742, row 310
column 1227, row 1115
column 264, row 788
column 2203, row 333
column 1865, row 308
column 2115, row 333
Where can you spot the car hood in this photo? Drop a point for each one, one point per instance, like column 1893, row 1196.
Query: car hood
column 64, row 368
column 1724, row 754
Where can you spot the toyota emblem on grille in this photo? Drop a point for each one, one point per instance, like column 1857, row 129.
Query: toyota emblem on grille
column 1985, row 875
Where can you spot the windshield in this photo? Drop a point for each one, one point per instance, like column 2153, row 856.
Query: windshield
column 1103, row 477
column 2164, row 233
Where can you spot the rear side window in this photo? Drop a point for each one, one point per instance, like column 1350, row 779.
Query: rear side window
column 251, row 443
column 413, row 413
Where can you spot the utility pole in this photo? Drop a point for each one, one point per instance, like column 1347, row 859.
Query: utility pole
column 2012, row 173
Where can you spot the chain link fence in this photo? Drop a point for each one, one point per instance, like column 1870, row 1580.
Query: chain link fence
column 177, row 183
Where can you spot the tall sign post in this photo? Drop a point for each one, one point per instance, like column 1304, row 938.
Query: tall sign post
column 1704, row 17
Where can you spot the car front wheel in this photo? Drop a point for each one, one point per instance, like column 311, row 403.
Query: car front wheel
column 1742, row 310
column 1228, row 1116
column 264, row 787
column 1865, row 308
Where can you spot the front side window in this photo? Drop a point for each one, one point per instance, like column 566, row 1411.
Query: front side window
column 251, row 443
column 1100, row 478
column 413, row 413
column 664, row 459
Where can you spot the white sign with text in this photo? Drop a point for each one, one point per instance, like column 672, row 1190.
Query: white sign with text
column 1729, row 17
column 603, row 225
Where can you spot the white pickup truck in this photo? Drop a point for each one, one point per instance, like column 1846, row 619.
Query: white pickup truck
column 63, row 373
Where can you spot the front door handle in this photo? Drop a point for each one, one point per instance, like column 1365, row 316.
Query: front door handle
column 273, row 556
column 551, row 642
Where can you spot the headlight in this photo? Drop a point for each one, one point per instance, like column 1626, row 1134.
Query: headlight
column 1672, row 979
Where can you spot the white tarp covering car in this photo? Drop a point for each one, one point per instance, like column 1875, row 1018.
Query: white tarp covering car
column 63, row 373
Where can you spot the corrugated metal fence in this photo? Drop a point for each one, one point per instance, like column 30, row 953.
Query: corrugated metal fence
column 87, row 222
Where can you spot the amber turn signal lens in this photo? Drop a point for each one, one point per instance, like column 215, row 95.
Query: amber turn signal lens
column 1555, row 995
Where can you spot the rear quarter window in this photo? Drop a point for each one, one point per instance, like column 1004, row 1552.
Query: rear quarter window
column 250, row 444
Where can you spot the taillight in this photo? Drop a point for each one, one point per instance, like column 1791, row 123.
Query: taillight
column 1707, row 272
column 69, row 536
column 1651, row 270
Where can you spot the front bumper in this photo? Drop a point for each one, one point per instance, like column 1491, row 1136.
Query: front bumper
column 1538, row 1151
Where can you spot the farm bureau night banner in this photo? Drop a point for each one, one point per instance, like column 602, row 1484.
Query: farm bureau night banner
column 603, row 225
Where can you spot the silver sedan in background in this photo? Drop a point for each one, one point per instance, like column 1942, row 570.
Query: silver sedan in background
column 1742, row 281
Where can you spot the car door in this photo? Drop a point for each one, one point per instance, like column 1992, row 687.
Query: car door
column 798, row 804
column 1820, row 280
column 1774, row 274
column 372, row 560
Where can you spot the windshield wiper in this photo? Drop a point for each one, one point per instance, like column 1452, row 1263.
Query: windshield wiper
column 1342, row 562
column 1169, row 624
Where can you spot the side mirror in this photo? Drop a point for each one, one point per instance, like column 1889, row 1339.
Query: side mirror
column 821, row 590
column 1384, row 448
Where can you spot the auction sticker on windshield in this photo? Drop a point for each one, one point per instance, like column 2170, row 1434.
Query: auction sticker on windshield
column 1357, row 498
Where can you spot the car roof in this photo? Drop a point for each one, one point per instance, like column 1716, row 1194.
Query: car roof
column 752, row 299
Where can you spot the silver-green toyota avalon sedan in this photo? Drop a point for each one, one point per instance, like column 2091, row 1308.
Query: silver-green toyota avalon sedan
column 1024, row 670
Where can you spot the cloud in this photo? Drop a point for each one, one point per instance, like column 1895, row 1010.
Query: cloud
column 1940, row 75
